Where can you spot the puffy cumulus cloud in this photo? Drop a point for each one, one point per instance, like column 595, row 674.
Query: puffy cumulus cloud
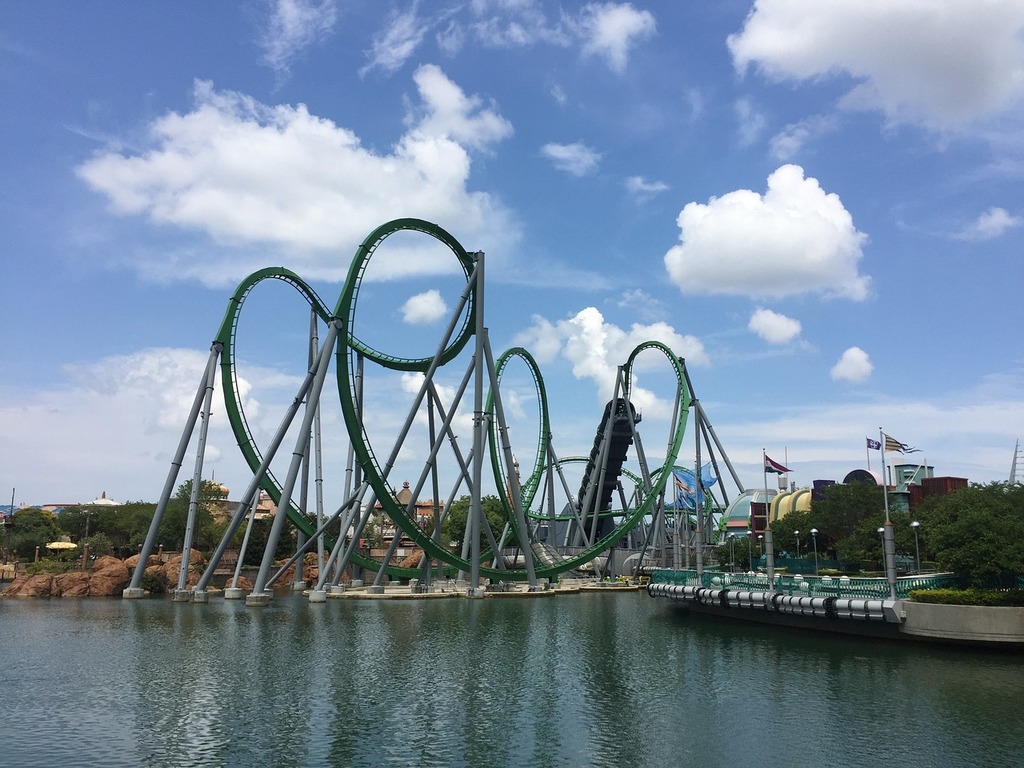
column 596, row 348
column 424, row 308
column 293, row 26
column 941, row 63
column 773, row 327
column 641, row 190
column 577, row 159
column 989, row 225
column 249, row 174
column 448, row 112
column 854, row 365
column 794, row 239
column 611, row 29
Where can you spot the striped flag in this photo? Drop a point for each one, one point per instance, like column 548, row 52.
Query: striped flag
column 892, row 444
column 770, row 465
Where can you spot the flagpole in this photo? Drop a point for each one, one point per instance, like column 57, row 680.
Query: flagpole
column 885, row 483
column 867, row 454
column 769, row 550
column 888, row 540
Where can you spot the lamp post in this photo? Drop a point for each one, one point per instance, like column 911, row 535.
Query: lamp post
column 732, row 552
column 917, row 546
column 750, row 555
column 797, row 534
column 881, row 536
column 814, row 538
column 760, row 544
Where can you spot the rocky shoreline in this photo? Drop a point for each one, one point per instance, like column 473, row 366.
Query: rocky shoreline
column 107, row 576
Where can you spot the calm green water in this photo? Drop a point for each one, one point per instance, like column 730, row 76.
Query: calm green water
column 586, row 680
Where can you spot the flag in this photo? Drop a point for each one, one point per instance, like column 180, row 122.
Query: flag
column 688, row 494
column 873, row 445
column 770, row 465
column 892, row 444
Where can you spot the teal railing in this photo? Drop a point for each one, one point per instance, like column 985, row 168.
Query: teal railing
column 811, row 586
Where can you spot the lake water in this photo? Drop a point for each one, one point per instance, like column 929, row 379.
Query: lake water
column 616, row 679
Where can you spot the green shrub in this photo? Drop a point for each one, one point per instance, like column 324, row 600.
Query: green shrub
column 152, row 584
column 47, row 565
column 985, row 597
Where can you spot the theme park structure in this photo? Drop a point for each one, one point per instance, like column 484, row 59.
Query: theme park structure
column 547, row 530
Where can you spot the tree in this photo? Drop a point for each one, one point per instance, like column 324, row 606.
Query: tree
column 172, row 526
column 977, row 532
column 33, row 527
column 453, row 528
column 842, row 516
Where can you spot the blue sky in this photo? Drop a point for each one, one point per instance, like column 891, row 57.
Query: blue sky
column 818, row 205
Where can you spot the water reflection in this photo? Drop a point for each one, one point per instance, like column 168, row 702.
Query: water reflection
column 595, row 679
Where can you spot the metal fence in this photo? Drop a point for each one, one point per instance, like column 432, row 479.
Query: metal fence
column 812, row 586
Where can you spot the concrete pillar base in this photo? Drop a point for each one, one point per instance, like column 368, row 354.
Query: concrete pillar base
column 200, row 597
column 181, row 595
column 356, row 583
column 234, row 593
column 375, row 590
column 337, row 589
column 132, row 593
column 258, row 600
column 476, row 593
column 318, row 596
column 299, row 586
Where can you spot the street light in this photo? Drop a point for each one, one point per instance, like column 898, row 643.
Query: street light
column 797, row 534
column 917, row 547
column 760, row 544
column 814, row 538
column 732, row 552
column 881, row 536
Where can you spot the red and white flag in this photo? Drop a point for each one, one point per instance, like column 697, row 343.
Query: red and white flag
column 770, row 465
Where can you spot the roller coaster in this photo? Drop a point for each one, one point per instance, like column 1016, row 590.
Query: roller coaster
column 547, row 529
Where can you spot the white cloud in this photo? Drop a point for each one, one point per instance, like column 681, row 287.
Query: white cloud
column 794, row 239
column 596, row 348
column 641, row 190
column 577, row 159
column 989, row 225
column 516, row 23
column 611, row 29
column 250, row 174
column 638, row 300
column 295, row 25
column 424, row 308
column 396, row 42
column 751, row 122
column 773, row 327
column 787, row 143
column 941, row 63
column 130, row 406
column 853, row 365
column 448, row 113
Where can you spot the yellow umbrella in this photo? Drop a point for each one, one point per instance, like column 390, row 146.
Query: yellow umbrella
column 61, row 545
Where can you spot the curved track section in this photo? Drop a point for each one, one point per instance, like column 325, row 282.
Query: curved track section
column 349, row 352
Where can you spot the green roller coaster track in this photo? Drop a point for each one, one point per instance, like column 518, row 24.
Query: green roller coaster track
column 351, row 348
